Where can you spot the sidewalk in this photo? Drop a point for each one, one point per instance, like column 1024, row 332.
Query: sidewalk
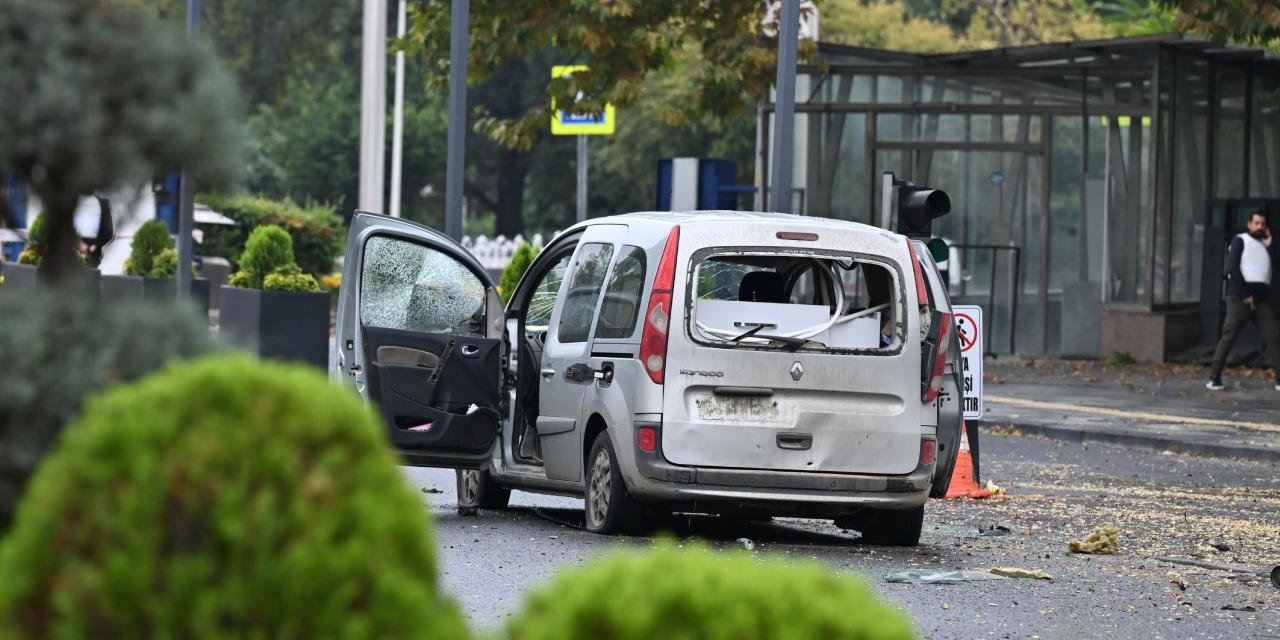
column 1164, row 407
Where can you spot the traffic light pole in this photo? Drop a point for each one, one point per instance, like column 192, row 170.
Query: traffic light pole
column 187, row 188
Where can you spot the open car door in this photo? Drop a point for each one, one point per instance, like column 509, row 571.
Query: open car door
column 420, row 336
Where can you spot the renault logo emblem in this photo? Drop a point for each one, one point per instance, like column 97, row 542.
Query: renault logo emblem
column 797, row 371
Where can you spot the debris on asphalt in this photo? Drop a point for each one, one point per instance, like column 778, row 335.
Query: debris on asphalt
column 1231, row 607
column 431, row 490
column 1015, row 572
column 993, row 530
column 1176, row 580
column 927, row 576
column 1103, row 540
column 995, row 489
column 746, row 543
column 1219, row 545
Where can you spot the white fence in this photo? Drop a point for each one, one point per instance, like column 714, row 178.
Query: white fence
column 495, row 253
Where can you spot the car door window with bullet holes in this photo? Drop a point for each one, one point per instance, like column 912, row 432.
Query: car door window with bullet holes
column 543, row 300
column 583, row 291
column 404, row 285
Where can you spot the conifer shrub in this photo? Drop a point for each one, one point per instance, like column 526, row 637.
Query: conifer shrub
column 694, row 594
column 60, row 347
column 521, row 258
column 151, row 239
column 223, row 497
column 37, row 243
column 268, row 249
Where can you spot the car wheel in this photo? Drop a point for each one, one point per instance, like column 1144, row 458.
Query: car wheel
column 609, row 508
column 478, row 490
column 886, row 527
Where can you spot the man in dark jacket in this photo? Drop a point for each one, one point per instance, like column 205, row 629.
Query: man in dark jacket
column 1251, row 262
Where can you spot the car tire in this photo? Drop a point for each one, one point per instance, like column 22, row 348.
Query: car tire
column 478, row 490
column 609, row 508
column 887, row 527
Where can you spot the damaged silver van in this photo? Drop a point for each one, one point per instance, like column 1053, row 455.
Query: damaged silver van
column 751, row 364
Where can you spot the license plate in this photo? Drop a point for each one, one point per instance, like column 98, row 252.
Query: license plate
column 736, row 408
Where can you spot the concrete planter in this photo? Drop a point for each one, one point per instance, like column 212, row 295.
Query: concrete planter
column 284, row 325
column 25, row 276
column 154, row 289
column 21, row 276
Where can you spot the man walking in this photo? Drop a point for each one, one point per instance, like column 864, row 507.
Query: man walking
column 1250, row 268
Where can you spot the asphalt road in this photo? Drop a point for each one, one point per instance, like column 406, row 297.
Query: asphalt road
column 1166, row 506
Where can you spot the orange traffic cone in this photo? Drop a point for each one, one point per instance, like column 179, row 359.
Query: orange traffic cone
column 963, row 484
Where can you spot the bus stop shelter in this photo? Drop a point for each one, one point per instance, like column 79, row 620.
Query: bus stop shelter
column 1094, row 184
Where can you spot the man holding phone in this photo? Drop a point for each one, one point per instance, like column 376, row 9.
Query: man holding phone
column 1250, row 268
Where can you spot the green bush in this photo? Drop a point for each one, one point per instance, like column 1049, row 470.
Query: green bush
column 268, row 250
column 521, row 258
column 289, row 280
column 317, row 231
column 148, row 242
column 225, row 497
column 695, row 593
column 58, row 348
column 165, row 264
column 37, row 239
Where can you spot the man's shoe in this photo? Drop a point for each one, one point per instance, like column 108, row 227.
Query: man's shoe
column 1215, row 384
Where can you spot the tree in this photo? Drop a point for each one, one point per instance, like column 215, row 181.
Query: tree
column 97, row 95
column 621, row 41
column 1248, row 21
column 885, row 24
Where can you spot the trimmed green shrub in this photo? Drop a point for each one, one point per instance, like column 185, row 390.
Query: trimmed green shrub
column 148, row 242
column 37, row 243
column 289, row 280
column 165, row 264
column 224, row 497
column 521, row 258
column 317, row 230
column 61, row 347
column 268, row 250
column 693, row 593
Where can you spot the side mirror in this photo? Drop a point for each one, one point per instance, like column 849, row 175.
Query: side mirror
column 938, row 249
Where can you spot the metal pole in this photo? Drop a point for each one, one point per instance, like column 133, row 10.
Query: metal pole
column 784, row 119
column 397, row 122
column 582, row 178
column 373, row 105
column 187, row 187
column 886, row 201
column 455, row 157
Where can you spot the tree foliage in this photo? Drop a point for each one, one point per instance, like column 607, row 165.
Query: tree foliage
column 98, row 95
column 1254, row 22
column 621, row 41
column 959, row 25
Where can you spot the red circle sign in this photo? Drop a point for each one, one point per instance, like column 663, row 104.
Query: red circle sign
column 968, row 331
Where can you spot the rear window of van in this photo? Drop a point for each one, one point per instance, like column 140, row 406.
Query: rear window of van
column 795, row 302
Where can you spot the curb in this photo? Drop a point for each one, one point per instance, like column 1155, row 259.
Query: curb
column 1210, row 449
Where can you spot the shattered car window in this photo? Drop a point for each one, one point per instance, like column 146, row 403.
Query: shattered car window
column 408, row 286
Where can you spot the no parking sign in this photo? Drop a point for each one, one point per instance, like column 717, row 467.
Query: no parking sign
column 969, row 327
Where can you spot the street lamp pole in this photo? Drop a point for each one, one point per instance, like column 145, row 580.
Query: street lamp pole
column 373, row 105
column 455, row 157
column 187, row 188
column 784, row 116
column 397, row 122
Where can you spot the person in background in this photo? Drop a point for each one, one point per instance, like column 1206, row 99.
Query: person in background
column 1251, row 264
column 92, row 245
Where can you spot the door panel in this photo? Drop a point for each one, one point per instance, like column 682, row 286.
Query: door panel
column 560, row 424
column 419, row 334
column 441, row 404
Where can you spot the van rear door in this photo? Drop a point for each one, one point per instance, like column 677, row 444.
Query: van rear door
column 794, row 355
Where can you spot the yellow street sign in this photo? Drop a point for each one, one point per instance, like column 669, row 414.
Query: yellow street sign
column 564, row 123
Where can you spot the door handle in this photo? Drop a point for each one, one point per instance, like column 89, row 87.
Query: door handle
column 548, row 373
column 604, row 375
column 470, row 351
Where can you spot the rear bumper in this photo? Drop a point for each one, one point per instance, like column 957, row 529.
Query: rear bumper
column 801, row 493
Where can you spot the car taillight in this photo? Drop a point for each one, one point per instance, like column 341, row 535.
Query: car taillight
column 941, row 350
column 657, row 317
column 928, row 451
column 922, row 294
column 647, row 439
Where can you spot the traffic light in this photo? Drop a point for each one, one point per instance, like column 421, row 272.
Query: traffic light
column 917, row 207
